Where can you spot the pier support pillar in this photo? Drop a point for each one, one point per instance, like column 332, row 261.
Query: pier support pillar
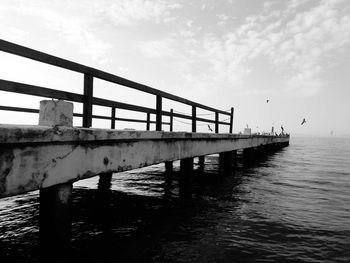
column 221, row 158
column 168, row 179
column 55, row 201
column 169, row 172
column 201, row 161
column 105, row 182
column 185, row 180
column 226, row 161
column 235, row 158
column 248, row 153
column 169, row 169
column 103, row 209
column 55, row 220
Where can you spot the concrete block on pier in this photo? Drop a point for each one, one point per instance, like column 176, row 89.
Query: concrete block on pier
column 56, row 113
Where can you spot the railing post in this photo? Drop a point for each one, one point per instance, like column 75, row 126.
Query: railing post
column 113, row 118
column 194, row 118
column 171, row 119
column 231, row 120
column 216, row 122
column 87, row 106
column 148, row 123
column 159, row 113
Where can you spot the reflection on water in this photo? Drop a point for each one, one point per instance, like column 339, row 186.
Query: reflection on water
column 292, row 206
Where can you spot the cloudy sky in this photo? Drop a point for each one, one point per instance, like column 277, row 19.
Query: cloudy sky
column 220, row 53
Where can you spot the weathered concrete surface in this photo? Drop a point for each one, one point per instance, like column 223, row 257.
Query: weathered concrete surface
column 56, row 112
column 33, row 157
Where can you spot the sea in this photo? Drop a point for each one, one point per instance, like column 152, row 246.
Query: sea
column 292, row 205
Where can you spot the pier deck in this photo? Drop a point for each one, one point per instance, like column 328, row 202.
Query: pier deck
column 34, row 157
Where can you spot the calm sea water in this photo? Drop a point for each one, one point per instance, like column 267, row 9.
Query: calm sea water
column 291, row 206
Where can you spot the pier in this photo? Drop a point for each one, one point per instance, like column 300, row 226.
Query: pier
column 52, row 155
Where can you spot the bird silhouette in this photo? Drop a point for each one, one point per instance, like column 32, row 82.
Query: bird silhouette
column 304, row 121
column 267, row 101
column 209, row 128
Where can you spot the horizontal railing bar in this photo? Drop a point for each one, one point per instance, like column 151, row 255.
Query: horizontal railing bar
column 119, row 119
column 22, row 88
column 120, row 105
column 188, row 117
column 131, row 84
column 125, row 119
column 205, row 120
column 101, row 117
column 132, row 120
column 16, row 87
column 67, row 64
column 22, row 51
column 179, row 115
column 18, row 109
column 141, row 121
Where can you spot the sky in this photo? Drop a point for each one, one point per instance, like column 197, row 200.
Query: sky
column 234, row 53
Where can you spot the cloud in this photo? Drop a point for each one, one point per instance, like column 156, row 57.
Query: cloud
column 131, row 12
column 222, row 19
column 297, row 36
column 78, row 22
column 308, row 39
column 293, row 5
column 299, row 41
column 157, row 48
column 77, row 30
column 12, row 33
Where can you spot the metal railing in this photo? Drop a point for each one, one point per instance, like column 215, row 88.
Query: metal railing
column 88, row 100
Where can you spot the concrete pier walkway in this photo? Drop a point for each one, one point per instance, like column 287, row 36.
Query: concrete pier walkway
column 34, row 157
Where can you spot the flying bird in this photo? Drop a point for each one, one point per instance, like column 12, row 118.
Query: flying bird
column 304, row 121
column 209, row 128
column 267, row 101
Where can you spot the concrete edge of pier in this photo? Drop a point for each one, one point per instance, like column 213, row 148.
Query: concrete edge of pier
column 15, row 134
